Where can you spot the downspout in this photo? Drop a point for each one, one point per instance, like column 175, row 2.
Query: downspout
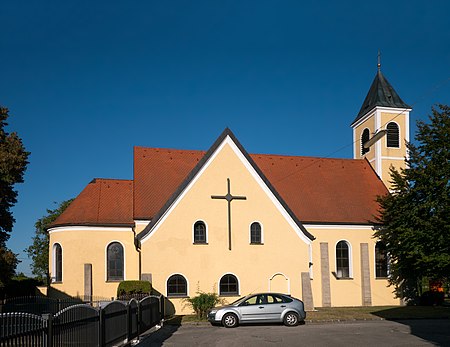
column 137, row 245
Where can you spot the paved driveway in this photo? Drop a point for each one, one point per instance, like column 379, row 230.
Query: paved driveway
column 368, row 333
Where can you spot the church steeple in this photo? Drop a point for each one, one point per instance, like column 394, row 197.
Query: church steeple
column 382, row 109
column 381, row 93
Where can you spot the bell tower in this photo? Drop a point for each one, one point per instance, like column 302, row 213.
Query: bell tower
column 384, row 114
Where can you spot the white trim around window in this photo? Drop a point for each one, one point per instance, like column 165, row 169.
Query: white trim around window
column 238, row 284
column 350, row 259
column 250, row 233
column 375, row 262
column 187, row 285
column 206, row 232
column 124, row 260
column 53, row 278
column 399, row 136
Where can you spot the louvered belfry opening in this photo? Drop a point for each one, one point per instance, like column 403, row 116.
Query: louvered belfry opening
column 364, row 138
column 393, row 135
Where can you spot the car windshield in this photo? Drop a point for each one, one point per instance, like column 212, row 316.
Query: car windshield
column 238, row 301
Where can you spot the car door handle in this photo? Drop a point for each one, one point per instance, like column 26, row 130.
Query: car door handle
column 261, row 307
column 283, row 306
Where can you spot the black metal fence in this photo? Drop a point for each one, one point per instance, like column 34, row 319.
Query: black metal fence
column 114, row 323
column 42, row 304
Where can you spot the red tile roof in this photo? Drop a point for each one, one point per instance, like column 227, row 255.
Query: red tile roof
column 317, row 190
column 322, row 190
column 157, row 174
column 103, row 202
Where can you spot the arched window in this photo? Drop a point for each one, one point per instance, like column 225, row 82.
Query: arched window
column 255, row 233
column 342, row 260
column 200, row 232
column 381, row 260
column 229, row 285
column 176, row 286
column 57, row 263
column 364, row 138
column 393, row 135
column 115, row 262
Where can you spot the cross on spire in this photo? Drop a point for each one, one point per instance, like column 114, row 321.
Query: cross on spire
column 229, row 198
column 379, row 60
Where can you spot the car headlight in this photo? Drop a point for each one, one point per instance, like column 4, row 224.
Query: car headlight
column 213, row 311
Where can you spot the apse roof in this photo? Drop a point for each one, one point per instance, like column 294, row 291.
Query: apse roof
column 103, row 202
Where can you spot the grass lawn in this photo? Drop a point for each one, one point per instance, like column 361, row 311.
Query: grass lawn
column 381, row 312
column 327, row 314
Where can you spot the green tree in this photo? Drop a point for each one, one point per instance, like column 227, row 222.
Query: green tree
column 13, row 163
column 415, row 217
column 38, row 251
column 8, row 263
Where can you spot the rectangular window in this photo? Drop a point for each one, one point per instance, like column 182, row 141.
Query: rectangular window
column 381, row 261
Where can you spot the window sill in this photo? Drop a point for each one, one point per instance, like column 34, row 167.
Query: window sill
column 114, row 281
column 341, row 278
column 256, row 244
column 57, row 282
column 228, row 295
column 200, row 243
column 177, row 296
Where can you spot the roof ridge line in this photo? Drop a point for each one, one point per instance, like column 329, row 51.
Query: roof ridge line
column 110, row 179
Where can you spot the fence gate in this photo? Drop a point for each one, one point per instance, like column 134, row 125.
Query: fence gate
column 22, row 329
column 75, row 326
column 113, row 323
column 149, row 312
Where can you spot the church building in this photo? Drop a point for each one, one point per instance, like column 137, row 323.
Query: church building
column 227, row 221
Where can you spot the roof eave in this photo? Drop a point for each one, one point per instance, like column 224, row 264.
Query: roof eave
column 90, row 224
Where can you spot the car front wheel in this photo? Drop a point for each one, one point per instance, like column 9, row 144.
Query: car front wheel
column 291, row 319
column 230, row 320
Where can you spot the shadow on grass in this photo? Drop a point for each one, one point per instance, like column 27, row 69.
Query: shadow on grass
column 157, row 338
column 430, row 323
column 413, row 312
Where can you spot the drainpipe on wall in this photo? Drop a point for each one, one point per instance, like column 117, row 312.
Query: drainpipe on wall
column 137, row 245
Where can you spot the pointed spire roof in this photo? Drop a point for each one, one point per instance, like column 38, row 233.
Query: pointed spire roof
column 381, row 93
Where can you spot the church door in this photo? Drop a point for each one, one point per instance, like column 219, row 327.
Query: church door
column 279, row 283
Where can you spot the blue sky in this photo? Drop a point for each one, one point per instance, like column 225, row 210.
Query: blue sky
column 85, row 81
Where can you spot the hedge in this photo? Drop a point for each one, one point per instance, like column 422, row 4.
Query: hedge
column 134, row 287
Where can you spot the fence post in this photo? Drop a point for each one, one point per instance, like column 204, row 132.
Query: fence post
column 49, row 319
column 128, row 322
column 162, row 308
column 139, row 319
column 101, row 327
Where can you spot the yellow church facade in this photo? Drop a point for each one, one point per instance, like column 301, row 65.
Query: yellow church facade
column 233, row 223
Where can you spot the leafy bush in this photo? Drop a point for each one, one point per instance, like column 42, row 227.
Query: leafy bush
column 134, row 287
column 20, row 286
column 432, row 298
column 202, row 303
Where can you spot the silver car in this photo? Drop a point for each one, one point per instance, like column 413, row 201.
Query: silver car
column 262, row 307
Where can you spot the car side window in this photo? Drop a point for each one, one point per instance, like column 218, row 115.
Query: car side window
column 262, row 299
column 275, row 299
column 287, row 299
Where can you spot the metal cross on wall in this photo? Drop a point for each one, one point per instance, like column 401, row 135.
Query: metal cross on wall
column 229, row 198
